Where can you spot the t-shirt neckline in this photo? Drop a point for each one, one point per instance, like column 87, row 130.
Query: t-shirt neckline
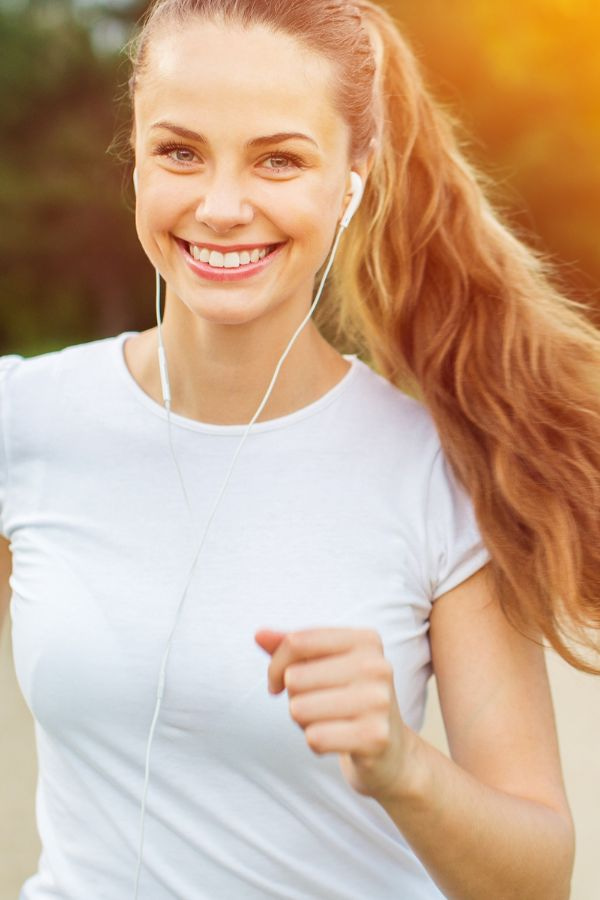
column 208, row 428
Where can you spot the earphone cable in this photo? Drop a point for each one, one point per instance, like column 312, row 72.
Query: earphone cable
column 167, row 403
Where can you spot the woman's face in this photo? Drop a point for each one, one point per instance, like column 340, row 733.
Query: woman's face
column 240, row 152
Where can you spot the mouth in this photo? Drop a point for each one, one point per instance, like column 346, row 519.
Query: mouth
column 225, row 258
column 225, row 264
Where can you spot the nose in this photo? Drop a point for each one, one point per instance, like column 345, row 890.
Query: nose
column 222, row 204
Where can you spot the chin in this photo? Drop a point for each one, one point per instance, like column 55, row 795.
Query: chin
column 221, row 310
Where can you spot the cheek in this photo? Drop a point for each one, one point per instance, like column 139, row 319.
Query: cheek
column 309, row 218
column 149, row 226
column 141, row 226
column 325, row 211
column 154, row 217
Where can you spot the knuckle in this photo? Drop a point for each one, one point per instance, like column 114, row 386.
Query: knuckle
column 290, row 677
column 376, row 733
column 381, row 739
column 294, row 641
column 374, row 666
column 314, row 740
column 381, row 696
column 366, row 732
column 374, row 638
column 365, row 665
column 387, row 671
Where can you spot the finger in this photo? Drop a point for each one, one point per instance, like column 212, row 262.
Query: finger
column 365, row 737
column 341, row 703
column 269, row 640
column 315, row 643
column 332, row 671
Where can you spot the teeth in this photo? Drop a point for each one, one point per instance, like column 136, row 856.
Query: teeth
column 216, row 259
column 231, row 260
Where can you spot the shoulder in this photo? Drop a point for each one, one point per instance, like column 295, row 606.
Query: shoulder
column 389, row 415
column 40, row 375
column 386, row 397
column 437, row 504
column 7, row 363
column 42, row 394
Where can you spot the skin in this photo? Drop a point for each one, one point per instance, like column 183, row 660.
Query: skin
column 223, row 340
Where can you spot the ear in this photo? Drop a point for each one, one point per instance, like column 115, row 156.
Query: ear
column 364, row 165
column 360, row 169
column 356, row 194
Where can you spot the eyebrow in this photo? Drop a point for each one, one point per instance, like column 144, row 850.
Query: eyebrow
column 255, row 142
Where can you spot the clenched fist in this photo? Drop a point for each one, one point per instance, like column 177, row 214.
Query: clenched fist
column 341, row 693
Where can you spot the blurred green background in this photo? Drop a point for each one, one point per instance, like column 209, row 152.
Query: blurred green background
column 524, row 78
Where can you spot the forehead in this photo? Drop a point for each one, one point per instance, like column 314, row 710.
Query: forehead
column 210, row 75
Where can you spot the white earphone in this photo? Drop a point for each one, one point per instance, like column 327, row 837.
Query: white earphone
column 356, row 195
column 357, row 190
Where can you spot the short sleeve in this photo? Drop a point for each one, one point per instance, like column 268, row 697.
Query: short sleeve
column 455, row 547
column 6, row 363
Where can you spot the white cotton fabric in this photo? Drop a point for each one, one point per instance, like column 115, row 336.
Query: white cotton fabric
column 342, row 514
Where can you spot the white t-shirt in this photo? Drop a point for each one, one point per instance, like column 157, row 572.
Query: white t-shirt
column 344, row 513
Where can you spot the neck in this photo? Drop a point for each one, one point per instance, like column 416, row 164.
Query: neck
column 219, row 374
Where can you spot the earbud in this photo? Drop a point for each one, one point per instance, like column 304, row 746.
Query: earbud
column 356, row 191
column 135, row 180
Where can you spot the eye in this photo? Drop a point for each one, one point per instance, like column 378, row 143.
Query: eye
column 283, row 161
column 184, row 155
column 178, row 153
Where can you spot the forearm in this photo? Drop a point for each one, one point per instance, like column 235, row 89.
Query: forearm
column 476, row 841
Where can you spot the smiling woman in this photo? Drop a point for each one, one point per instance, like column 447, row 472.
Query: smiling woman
column 368, row 525
column 209, row 189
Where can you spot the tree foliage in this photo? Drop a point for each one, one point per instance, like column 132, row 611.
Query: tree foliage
column 71, row 267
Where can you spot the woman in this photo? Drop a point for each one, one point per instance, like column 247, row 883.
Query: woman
column 440, row 514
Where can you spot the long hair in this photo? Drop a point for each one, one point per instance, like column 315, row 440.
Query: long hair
column 451, row 306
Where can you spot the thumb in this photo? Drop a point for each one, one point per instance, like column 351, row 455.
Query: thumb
column 269, row 640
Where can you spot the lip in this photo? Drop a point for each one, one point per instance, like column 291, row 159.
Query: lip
column 233, row 248
column 203, row 270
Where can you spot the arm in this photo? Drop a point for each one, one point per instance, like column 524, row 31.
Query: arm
column 493, row 822
column 5, row 570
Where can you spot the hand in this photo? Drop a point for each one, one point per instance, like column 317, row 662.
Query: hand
column 341, row 691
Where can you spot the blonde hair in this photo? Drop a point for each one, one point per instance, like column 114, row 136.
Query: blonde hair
column 447, row 303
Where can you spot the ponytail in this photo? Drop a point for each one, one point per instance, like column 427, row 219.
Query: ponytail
column 450, row 306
